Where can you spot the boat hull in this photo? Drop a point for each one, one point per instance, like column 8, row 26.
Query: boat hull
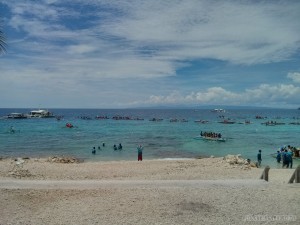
column 210, row 139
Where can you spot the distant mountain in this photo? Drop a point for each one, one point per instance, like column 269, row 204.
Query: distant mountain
column 203, row 107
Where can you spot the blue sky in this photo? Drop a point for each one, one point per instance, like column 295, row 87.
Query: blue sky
column 119, row 54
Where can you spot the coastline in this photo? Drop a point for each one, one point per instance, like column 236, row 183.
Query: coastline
column 207, row 190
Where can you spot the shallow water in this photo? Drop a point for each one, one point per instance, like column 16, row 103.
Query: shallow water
column 164, row 139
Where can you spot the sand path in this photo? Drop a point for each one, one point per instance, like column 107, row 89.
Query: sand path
column 97, row 184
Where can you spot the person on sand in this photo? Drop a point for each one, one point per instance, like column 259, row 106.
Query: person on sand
column 140, row 153
column 259, row 158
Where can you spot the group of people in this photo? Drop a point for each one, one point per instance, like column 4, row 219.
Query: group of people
column 120, row 147
column 115, row 147
column 211, row 134
column 99, row 148
column 286, row 155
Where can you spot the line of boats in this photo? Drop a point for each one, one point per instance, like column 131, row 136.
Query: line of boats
column 41, row 113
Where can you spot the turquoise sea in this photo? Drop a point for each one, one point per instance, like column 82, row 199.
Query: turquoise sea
column 43, row 137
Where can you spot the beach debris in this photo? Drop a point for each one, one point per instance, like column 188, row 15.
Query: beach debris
column 19, row 161
column 63, row 159
column 234, row 159
column 238, row 160
column 17, row 171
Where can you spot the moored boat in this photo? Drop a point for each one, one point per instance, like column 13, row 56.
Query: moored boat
column 16, row 116
column 227, row 122
column 156, row 119
column 295, row 123
column 101, row 117
column 41, row 113
column 245, row 122
column 217, row 110
column 201, row 121
column 272, row 123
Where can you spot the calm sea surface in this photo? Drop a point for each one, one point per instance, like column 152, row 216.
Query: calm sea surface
column 47, row 137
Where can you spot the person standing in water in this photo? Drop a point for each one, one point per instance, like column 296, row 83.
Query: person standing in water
column 259, row 158
column 278, row 157
column 140, row 153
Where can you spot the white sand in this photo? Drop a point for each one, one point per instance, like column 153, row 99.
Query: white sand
column 202, row 191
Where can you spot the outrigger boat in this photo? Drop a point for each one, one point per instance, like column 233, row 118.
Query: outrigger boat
column 201, row 121
column 272, row 123
column 246, row 122
column 227, row 122
column 210, row 138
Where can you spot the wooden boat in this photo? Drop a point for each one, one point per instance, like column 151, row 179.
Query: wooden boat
column 295, row 123
column 201, row 121
column 246, row 122
column 156, row 119
column 210, row 138
column 272, row 123
column 226, row 122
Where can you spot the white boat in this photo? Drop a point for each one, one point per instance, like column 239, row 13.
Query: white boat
column 41, row 113
column 16, row 116
column 201, row 121
column 217, row 110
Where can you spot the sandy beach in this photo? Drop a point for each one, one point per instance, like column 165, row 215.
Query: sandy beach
column 199, row 191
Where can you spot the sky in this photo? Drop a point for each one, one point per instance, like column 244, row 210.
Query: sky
column 156, row 53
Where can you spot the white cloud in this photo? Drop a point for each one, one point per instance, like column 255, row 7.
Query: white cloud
column 81, row 49
column 294, row 76
column 165, row 31
column 264, row 95
column 232, row 31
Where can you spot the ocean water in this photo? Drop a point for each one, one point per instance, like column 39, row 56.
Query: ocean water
column 43, row 137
